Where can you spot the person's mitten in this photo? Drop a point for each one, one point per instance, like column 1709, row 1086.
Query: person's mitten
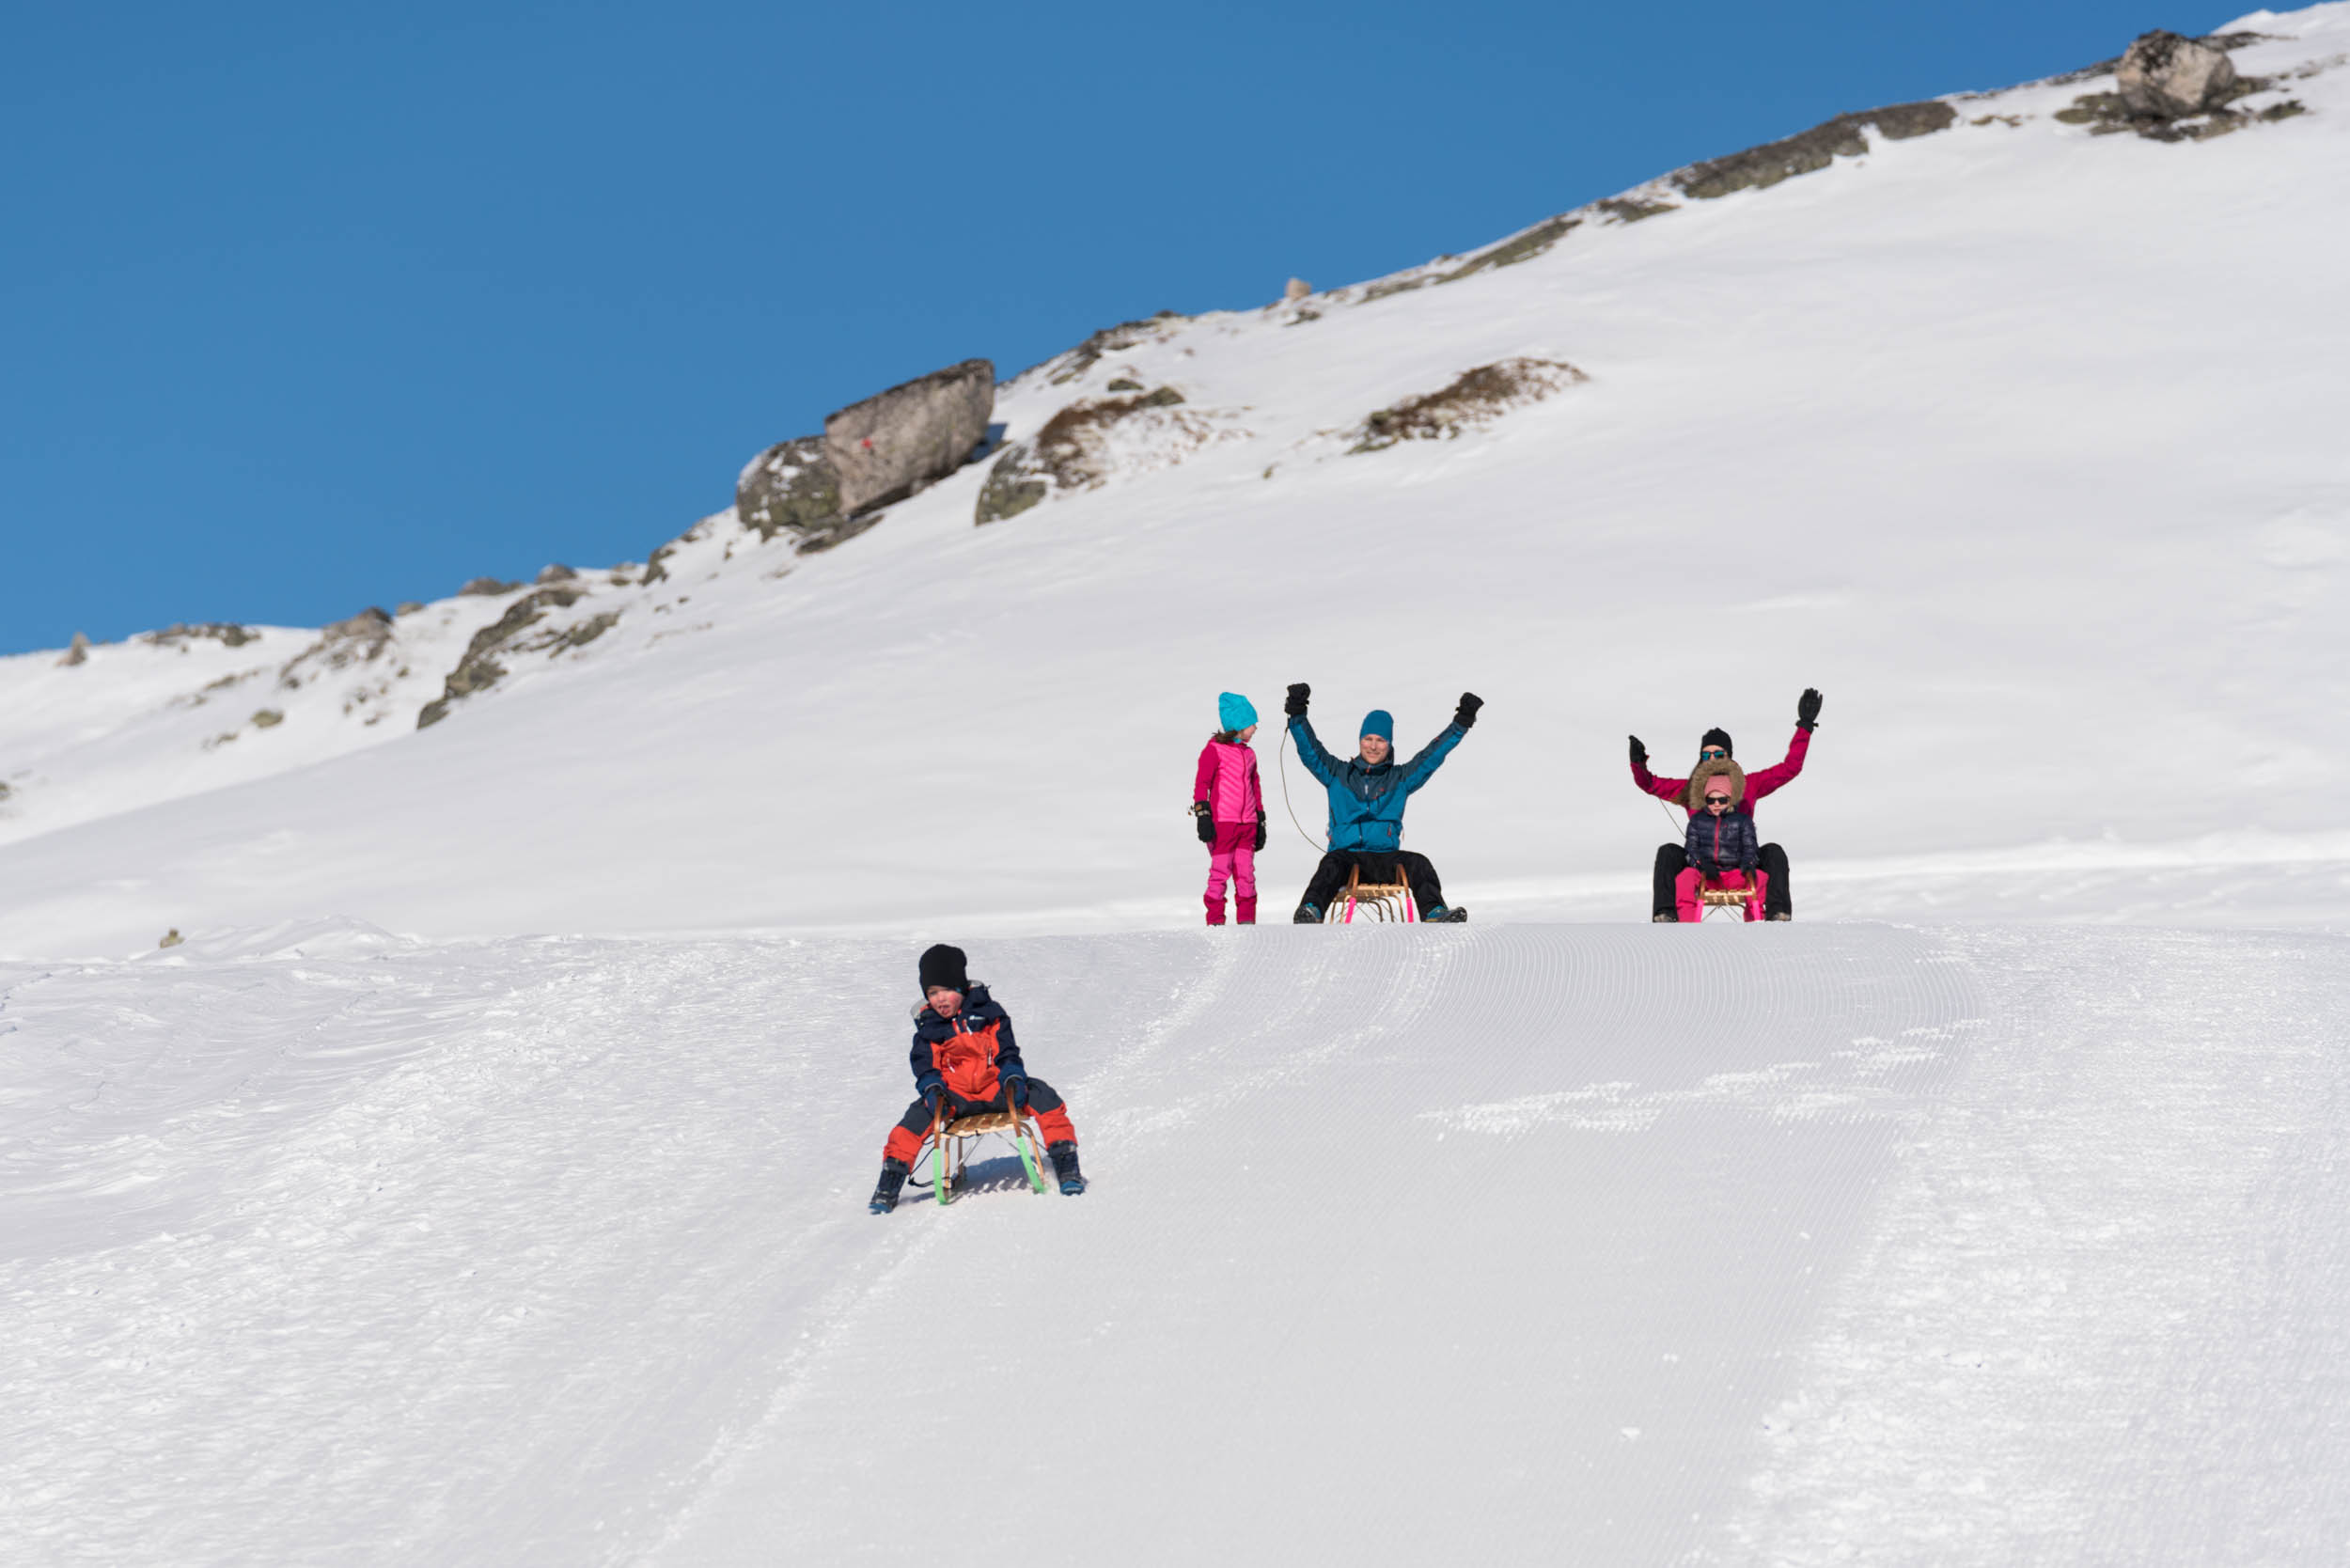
column 1015, row 1089
column 1203, row 821
column 1639, row 753
column 934, row 1096
column 1260, row 843
column 1807, row 709
column 1296, row 706
column 1466, row 715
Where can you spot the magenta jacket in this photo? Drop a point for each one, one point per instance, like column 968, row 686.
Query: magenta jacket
column 1226, row 780
column 1760, row 782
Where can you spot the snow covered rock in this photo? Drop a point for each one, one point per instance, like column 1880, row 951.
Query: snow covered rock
column 2164, row 76
column 1845, row 136
column 792, row 485
column 480, row 668
column 893, row 443
column 1084, row 444
column 1474, row 398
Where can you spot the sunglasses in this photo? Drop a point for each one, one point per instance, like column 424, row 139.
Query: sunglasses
column 1712, row 754
column 1718, row 800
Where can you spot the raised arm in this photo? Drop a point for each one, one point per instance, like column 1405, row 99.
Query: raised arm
column 1319, row 762
column 1662, row 789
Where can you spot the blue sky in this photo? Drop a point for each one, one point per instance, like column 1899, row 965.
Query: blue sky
column 305, row 308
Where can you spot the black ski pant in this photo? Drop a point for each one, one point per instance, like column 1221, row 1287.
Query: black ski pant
column 1330, row 876
column 1672, row 860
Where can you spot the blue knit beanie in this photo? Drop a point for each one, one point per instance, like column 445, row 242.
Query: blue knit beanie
column 1234, row 711
column 1381, row 723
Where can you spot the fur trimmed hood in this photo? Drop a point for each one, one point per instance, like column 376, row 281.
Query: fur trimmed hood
column 1720, row 767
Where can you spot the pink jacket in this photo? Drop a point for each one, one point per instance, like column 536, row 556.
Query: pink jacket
column 1226, row 780
column 1760, row 782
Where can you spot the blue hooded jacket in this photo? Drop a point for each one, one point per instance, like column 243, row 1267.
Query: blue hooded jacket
column 1367, row 802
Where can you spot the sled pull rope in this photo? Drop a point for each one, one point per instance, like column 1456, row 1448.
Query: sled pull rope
column 1318, row 849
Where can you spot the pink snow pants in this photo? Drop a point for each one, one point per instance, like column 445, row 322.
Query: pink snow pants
column 1685, row 892
column 1232, row 857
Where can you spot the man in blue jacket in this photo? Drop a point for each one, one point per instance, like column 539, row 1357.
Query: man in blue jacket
column 1367, row 795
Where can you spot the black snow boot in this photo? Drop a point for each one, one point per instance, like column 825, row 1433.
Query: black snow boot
column 1306, row 916
column 893, row 1177
column 1445, row 916
column 1073, row 1181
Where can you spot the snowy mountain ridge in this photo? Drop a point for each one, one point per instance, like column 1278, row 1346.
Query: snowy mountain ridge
column 1540, row 397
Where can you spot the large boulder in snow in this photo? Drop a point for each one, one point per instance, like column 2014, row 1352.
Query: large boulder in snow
column 895, row 442
column 792, row 485
column 2164, row 76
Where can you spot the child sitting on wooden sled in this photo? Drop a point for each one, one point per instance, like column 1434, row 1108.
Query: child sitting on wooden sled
column 1229, row 805
column 1721, row 841
column 965, row 1059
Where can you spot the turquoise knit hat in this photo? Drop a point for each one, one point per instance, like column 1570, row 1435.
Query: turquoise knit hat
column 1234, row 711
column 1379, row 722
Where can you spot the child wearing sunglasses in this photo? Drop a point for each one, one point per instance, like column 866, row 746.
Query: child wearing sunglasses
column 1671, row 859
column 1721, row 843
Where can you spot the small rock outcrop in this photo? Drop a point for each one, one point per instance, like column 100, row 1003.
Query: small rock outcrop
column 486, row 588
column 78, row 653
column 480, row 669
column 892, row 443
column 1760, row 167
column 1077, row 449
column 792, row 485
column 227, row 634
column 1475, row 397
column 1297, row 288
column 2164, row 76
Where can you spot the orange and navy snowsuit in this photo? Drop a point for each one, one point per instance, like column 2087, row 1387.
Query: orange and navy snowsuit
column 968, row 1056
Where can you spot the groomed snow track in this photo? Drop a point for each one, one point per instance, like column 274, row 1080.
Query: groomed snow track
column 1628, row 1244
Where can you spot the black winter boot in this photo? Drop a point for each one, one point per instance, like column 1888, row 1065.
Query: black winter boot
column 893, row 1177
column 1306, row 916
column 1073, row 1181
column 1443, row 915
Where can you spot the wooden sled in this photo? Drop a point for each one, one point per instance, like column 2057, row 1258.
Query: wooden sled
column 1390, row 900
column 951, row 1148
column 1723, row 897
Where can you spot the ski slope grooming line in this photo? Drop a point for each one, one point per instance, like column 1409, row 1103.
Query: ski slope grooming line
column 1628, row 1243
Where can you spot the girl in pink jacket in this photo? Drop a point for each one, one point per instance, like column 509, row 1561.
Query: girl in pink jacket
column 1228, row 806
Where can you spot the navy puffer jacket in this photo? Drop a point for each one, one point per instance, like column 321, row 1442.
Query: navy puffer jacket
column 1718, row 844
column 968, row 1053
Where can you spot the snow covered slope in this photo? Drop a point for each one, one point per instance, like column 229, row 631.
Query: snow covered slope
column 2020, row 440
column 1789, row 1244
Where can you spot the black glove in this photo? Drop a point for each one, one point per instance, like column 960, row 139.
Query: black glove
column 1808, row 708
column 1639, row 753
column 1015, row 1089
column 935, row 1097
column 1260, row 843
column 1296, row 704
column 1206, row 822
column 1466, row 715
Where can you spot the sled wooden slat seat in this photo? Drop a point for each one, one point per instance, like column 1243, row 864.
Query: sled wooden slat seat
column 978, row 1123
column 1390, row 900
column 1717, row 898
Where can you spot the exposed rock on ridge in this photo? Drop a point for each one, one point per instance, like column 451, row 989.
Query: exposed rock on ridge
column 894, row 443
column 1760, row 167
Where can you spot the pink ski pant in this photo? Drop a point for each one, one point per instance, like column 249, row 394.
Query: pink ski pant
column 1233, row 857
column 1685, row 892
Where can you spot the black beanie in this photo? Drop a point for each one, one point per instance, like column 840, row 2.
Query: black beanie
column 942, row 965
column 1716, row 737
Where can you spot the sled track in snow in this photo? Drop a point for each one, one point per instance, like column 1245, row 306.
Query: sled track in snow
column 1626, row 1244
